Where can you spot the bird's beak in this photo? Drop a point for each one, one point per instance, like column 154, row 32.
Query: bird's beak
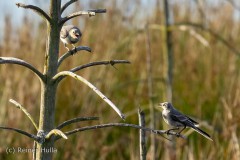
column 77, row 34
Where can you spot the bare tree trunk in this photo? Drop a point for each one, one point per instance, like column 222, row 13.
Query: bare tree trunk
column 48, row 89
column 169, row 77
column 169, row 50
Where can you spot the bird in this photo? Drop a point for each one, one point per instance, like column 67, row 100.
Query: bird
column 177, row 119
column 70, row 34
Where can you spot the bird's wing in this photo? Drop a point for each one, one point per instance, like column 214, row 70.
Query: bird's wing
column 183, row 117
column 179, row 117
column 193, row 121
column 63, row 33
column 65, row 30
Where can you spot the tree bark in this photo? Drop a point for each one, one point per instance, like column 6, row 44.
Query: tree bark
column 169, row 50
column 48, row 89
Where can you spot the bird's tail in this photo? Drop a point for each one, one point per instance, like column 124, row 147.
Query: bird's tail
column 203, row 133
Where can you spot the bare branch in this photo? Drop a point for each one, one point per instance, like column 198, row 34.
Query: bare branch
column 77, row 77
column 36, row 9
column 159, row 132
column 24, row 111
column 80, row 13
column 32, row 136
column 72, row 52
column 56, row 132
column 98, row 10
column 67, row 4
column 76, row 14
column 75, row 120
column 111, row 62
column 11, row 60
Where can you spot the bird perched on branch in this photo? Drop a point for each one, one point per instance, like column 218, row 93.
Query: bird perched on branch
column 70, row 34
column 176, row 119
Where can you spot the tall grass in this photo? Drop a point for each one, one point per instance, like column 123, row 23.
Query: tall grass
column 206, row 85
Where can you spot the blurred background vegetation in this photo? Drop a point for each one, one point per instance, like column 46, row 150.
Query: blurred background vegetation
column 206, row 78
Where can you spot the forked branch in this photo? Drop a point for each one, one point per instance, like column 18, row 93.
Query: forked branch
column 11, row 60
column 36, row 9
column 79, row 78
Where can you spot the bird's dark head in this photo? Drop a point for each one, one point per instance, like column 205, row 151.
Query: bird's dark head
column 165, row 105
column 75, row 33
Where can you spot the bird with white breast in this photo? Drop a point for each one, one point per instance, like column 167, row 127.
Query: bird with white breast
column 70, row 34
column 177, row 119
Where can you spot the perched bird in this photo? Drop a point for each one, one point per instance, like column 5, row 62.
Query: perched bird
column 176, row 119
column 70, row 35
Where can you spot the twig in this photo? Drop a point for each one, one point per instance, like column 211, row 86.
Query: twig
column 72, row 52
column 75, row 120
column 142, row 135
column 12, row 60
column 90, row 12
column 56, row 132
column 36, row 9
column 24, row 111
column 67, row 4
column 111, row 62
column 159, row 132
column 76, row 14
column 77, row 77
column 98, row 10
column 32, row 136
